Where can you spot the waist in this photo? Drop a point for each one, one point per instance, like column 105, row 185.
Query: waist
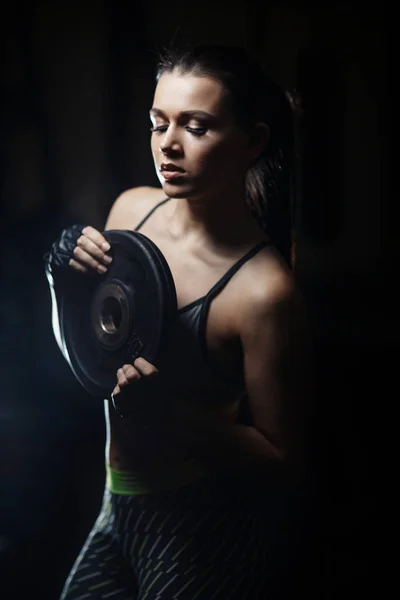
column 131, row 483
column 154, row 458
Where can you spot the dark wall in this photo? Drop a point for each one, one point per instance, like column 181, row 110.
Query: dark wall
column 76, row 85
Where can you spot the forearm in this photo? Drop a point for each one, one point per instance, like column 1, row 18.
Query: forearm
column 236, row 449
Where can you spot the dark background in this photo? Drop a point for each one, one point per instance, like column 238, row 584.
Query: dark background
column 76, row 85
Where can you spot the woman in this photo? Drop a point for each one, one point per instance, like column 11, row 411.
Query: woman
column 195, row 502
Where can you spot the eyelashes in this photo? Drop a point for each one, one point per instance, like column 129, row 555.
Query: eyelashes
column 159, row 129
column 198, row 131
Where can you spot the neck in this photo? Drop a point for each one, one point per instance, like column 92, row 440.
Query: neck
column 224, row 220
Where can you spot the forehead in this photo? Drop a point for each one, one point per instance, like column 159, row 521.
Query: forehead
column 177, row 93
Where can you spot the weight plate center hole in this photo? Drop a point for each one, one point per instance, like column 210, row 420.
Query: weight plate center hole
column 110, row 315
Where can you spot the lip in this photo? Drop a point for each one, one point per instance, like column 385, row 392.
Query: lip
column 172, row 174
column 170, row 168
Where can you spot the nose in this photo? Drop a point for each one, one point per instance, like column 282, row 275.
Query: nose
column 170, row 144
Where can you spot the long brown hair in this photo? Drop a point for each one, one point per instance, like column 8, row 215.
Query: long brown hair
column 254, row 97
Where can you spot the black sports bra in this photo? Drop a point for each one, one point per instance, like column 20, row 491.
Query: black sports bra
column 190, row 340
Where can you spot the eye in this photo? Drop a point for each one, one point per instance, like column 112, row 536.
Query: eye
column 159, row 129
column 197, row 130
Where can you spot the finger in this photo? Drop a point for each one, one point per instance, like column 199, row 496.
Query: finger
column 116, row 390
column 83, row 257
column 121, row 378
column 130, row 373
column 77, row 266
column 144, row 367
column 91, row 248
column 97, row 238
column 125, row 377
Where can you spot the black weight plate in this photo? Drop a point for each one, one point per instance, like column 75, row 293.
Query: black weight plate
column 108, row 320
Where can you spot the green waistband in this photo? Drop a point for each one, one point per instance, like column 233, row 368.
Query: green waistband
column 130, row 483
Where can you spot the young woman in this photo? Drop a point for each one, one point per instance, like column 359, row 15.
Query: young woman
column 196, row 502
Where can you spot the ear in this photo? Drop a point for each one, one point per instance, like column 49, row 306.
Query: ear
column 258, row 140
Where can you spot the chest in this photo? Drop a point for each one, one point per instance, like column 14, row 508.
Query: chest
column 195, row 275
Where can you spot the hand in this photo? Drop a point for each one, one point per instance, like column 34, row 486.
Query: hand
column 140, row 370
column 90, row 252
column 82, row 248
column 128, row 373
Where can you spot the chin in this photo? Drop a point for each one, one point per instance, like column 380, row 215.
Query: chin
column 174, row 190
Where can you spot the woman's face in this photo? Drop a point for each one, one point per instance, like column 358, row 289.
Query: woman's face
column 197, row 147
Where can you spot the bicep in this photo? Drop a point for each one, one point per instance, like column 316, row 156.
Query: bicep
column 276, row 367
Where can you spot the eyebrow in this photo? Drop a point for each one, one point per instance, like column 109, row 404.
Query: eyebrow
column 202, row 114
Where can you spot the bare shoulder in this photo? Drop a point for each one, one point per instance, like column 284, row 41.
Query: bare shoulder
column 270, row 290
column 131, row 206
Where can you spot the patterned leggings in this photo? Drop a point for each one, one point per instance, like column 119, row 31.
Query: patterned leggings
column 204, row 541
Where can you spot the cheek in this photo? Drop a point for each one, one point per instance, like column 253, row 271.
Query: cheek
column 221, row 156
column 154, row 146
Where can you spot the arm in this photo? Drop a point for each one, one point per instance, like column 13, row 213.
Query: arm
column 275, row 348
